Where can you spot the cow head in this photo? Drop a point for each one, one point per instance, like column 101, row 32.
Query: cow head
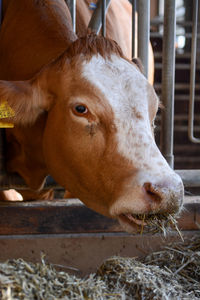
column 98, row 140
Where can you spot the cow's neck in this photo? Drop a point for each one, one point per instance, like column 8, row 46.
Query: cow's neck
column 25, row 153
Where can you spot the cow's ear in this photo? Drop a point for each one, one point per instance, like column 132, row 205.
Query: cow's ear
column 139, row 64
column 30, row 98
column 23, row 99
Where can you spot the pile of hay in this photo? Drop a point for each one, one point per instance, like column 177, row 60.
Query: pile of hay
column 182, row 261
column 173, row 273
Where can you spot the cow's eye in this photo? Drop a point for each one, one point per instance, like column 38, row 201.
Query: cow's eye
column 80, row 109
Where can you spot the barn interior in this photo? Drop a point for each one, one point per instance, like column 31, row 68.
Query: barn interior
column 74, row 237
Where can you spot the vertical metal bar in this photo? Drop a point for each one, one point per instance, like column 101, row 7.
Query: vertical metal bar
column 72, row 7
column 143, row 32
column 168, row 75
column 134, row 6
column 73, row 13
column 96, row 19
column 1, row 9
column 104, row 18
column 192, row 74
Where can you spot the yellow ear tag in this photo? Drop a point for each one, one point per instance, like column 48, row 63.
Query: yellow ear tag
column 6, row 112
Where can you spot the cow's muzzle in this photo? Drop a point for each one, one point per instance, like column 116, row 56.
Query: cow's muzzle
column 154, row 205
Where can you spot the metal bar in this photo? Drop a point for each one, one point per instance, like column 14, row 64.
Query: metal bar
column 72, row 7
column 96, row 19
column 168, row 75
column 159, row 21
column 192, row 75
column 1, row 11
column 73, row 13
column 143, row 33
column 191, row 178
column 134, row 7
column 186, row 35
column 104, row 18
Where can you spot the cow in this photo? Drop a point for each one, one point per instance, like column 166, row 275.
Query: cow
column 84, row 113
column 119, row 19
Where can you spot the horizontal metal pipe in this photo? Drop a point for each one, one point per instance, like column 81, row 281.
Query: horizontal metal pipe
column 96, row 19
column 191, row 178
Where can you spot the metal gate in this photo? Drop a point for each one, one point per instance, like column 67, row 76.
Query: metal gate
column 171, row 30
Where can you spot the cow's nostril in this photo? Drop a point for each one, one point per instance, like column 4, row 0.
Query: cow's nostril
column 152, row 192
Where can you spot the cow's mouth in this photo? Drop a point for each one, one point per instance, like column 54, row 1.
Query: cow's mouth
column 148, row 223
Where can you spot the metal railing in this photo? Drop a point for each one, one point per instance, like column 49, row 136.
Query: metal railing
column 191, row 178
column 99, row 17
column 192, row 75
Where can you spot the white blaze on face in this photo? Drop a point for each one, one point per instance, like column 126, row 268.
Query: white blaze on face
column 128, row 92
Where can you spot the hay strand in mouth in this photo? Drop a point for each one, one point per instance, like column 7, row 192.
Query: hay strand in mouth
column 157, row 223
column 173, row 222
column 142, row 226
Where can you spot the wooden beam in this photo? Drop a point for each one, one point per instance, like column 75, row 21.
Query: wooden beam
column 71, row 216
column 82, row 253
